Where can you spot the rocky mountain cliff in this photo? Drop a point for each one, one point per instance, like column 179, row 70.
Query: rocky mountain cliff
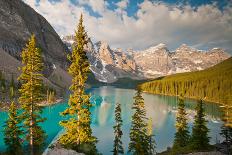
column 159, row 61
column 108, row 64
column 17, row 22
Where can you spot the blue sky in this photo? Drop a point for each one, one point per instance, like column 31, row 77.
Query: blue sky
column 139, row 24
column 133, row 4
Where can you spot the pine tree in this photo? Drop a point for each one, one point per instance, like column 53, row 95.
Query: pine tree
column 78, row 132
column 12, row 88
column 182, row 134
column 30, row 95
column 13, row 132
column 226, row 129
column 139, row 140
column 226, row 133
column 200, row 139
column 227, row 109
column 50, row 96
column 150, row 137
column 118, row 146
column 3, row 89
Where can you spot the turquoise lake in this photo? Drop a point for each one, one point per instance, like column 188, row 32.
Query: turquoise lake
column 162, row 110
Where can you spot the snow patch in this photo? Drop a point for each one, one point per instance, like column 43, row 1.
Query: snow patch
column 197, row 61
column 181, row 70
column 153, row 72
column 53, row 66
column 103, row 67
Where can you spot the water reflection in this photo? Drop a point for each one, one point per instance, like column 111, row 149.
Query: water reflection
column 162, row 110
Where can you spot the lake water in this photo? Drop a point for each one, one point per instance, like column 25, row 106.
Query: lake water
column 162, row 110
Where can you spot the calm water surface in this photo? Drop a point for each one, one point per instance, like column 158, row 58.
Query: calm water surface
column 162, row 110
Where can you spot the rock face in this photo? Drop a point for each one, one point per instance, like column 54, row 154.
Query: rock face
column 18, row 22
column 154, row 61
column 9, row 66
column 108, row 64
column 158, row 61
column 62, row 151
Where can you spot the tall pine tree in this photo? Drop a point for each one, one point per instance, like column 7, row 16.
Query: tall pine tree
column 139, row 140
column 13, row 132
column 226, row 129
column 226, row 133
column 182, row 134
column 227, row 109
column 78, row 132
column 151, row 140
column 3, row 89
column 30, row 95
column 118, row 146
column 12, row 88
column 200, row 139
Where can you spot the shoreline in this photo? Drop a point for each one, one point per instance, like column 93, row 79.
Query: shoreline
column 5, row 107
column 190, row 98
column 45, row 103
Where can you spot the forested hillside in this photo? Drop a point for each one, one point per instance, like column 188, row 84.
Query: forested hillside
column 213, row 84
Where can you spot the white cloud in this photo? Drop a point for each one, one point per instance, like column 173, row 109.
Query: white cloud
column 152, row 24
column 97, row 5
column 123, row 4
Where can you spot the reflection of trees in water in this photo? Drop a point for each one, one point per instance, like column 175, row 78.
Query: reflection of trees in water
column 211, row 109
column 156, row 109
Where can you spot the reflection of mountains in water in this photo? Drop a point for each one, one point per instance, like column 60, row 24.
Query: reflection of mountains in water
column 212, row 110
column 102, row 109
column 191, row 113
column 158, row 108
column 161, row 108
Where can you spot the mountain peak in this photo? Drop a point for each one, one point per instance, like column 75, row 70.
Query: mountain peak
column 159, row 46
column 102, row 44
column 185, row 48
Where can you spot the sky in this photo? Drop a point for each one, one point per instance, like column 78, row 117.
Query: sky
column 139, row 24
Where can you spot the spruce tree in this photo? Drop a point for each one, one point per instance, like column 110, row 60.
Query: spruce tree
column 12, row 88
column 182, row 134
column 227, row 110
column 3, row 89
column 151, row 140
column 226, row 129
column 30, row 95
column 13, row 132
column 139, row 140
column 118, row 146
column 226, row 133
column 200, row 139
column 78, row 132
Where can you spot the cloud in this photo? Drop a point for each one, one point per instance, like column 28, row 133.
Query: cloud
column 97, row 5
column 123, row 4
column 153, row 23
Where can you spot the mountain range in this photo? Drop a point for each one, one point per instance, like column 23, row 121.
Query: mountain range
column 18, row 21
column 109, row 65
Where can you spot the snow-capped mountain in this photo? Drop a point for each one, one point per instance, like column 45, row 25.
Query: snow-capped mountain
column 108, row 64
